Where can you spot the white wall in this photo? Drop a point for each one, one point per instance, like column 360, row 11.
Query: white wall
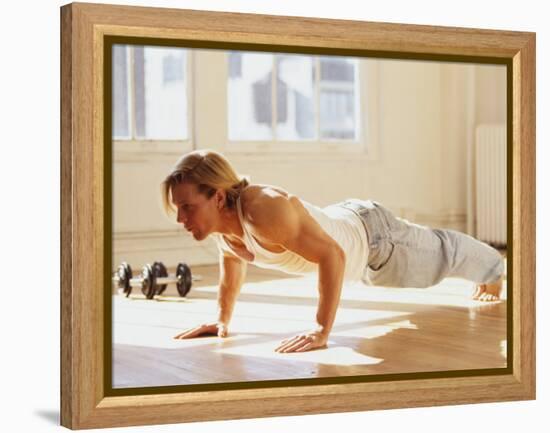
column 410, row 118
column 491, row 99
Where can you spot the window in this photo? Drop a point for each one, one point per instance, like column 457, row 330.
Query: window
column 280, row 97
column 150, row 93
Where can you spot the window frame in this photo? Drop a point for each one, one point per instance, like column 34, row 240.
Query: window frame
column 365, row 145
column 131, row 145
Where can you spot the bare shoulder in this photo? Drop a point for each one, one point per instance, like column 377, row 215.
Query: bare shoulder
column 263, row 203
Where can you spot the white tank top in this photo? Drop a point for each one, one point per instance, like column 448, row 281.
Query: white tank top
column 343, row 225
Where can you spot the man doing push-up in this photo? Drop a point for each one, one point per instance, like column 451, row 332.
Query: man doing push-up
column 352, row 240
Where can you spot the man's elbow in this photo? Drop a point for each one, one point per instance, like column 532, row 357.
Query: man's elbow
column 341, row 254
column 337, row 255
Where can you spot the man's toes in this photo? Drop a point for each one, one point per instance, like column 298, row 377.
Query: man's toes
column 477, row 292
column 488, row 297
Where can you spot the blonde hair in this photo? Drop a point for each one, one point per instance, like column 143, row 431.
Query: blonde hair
column 207, row 169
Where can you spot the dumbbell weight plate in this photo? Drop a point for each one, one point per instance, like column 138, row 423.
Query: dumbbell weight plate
column 159, row 270
column 147, row 286
column 184, row 284
column 124, row 273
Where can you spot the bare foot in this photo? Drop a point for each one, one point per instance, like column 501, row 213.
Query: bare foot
column 488, row 292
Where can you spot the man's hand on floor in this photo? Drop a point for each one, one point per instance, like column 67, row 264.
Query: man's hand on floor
column 304, row 342
column 214, row 328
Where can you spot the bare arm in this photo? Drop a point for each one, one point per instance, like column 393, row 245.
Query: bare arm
column 297, row 231
column 232, row 275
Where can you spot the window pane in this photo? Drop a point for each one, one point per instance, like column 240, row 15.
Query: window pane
column 295, row 97
column 249, row 96
column 160, row 93
column 120, row 92
column 338, row 98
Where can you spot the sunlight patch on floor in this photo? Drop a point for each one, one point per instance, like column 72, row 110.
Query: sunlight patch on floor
column 333, row 355
column 504, row 348
column 450, row 292
column 142, row 324
column 375, row 331
column 289, row 307
column 163, row 338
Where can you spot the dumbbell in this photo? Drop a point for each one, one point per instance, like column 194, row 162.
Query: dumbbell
column 153, row 279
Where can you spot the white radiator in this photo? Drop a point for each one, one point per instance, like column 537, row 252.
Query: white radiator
column 491, row 184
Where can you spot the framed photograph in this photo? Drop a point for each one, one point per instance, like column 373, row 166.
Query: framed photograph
column 268, row 215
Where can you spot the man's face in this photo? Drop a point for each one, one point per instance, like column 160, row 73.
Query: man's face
column 195, row 211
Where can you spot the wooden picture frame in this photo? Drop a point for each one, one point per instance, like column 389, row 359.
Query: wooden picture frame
column 85, row 28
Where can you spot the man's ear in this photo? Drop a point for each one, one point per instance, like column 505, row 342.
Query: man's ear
column 220, row 198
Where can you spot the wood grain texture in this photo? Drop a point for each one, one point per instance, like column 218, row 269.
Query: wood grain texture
column 67, row 387
column 524, row 215
column 300, row 31
column 84, row 404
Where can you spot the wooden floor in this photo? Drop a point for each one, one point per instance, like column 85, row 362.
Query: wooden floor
column 377, row 331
